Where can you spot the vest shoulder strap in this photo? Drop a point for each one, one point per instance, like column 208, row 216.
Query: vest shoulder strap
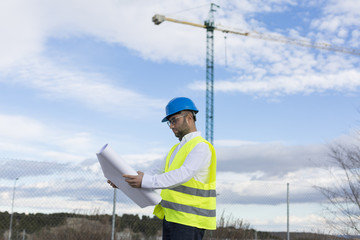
column 169, row 155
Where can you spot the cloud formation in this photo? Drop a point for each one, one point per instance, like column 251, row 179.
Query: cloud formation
column 273, row 159
column 27, row 168
column 94, row 90
column 253, row 167
column 270, row 68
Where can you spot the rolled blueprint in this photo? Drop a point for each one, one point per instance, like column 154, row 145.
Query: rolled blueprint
column 113, row 167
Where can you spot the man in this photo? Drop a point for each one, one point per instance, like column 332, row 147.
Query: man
column 187, row 177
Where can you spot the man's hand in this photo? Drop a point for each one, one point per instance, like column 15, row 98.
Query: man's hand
column 134, row 180
column 113, row 185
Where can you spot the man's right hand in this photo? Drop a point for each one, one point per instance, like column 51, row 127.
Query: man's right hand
column 111, row 184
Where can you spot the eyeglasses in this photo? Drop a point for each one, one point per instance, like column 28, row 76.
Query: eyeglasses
column 174, row 120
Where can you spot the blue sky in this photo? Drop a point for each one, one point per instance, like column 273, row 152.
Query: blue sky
column 75, row 75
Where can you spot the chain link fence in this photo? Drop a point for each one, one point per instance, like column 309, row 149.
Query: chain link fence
column 47, row 200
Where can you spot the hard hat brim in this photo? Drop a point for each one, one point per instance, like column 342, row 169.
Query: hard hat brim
column 165, row 119
column 177, row 105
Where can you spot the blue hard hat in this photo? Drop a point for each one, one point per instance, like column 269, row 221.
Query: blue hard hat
column 177, row 105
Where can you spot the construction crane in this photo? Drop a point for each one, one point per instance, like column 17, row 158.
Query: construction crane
column 209, row 25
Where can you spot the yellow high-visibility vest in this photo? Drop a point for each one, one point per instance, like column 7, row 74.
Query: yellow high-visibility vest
column 192, row 203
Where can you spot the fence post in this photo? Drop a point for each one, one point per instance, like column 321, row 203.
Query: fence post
column 113, row 217
column 288, row 215
column 12, row 209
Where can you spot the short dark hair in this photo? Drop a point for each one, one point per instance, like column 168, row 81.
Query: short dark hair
column 193, row 113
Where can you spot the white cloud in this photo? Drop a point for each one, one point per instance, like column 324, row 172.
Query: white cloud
column 21, row 32
column 307, row 221
column 259, row 188
column 31, row 139
column 130, row 25
column 20, row 128
column 91, row 89
column 355, row 36
column 343, row 81
column 339, row 18
column 257, row 173
column 272, row 158
column 26, row 26
column 232, row 143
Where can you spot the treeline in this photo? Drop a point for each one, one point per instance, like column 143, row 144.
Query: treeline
column 31, row 222
column 39, row 224
column 69, row 226
column 73, row 226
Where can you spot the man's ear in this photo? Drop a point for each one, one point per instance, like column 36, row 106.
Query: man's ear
column 191, row 117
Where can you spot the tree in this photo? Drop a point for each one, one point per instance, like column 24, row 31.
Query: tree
column 343, row 215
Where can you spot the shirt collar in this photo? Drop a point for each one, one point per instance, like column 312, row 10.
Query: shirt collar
column 190, row 136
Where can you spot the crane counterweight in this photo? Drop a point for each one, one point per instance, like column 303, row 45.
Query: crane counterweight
column 157, row 19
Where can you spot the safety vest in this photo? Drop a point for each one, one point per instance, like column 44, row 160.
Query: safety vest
column 192, row 203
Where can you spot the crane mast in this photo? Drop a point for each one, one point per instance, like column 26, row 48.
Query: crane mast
column 210, row 26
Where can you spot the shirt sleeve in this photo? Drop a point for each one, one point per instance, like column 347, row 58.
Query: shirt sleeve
column 196, row 163
column 157, row 169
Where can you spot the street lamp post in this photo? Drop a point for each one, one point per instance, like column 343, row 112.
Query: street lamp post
column 12, row 208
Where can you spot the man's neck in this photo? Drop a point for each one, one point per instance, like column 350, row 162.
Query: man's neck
column 180, row 139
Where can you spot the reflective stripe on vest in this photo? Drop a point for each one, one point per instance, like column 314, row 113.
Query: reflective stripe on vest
column 195, row 191
column 188, row 209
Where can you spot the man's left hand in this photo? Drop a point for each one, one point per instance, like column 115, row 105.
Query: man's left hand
column 134, row 180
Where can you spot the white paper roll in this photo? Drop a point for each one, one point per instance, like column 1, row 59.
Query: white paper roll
column 113, row 167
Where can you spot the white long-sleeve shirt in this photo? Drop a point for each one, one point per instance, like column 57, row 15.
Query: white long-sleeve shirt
column 196, row 165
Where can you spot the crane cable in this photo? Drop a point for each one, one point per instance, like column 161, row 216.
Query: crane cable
column 225, row 38
column 186, row 10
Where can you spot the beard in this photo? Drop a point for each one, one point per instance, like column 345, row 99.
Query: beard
column 182, row 130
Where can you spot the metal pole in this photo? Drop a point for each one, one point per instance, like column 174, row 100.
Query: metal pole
column 113, row 217
column 210, row 26
column 12, row 209
column 209, row 83
column 288, row 213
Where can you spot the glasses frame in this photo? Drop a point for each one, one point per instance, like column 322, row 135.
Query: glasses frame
column 174, row 120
